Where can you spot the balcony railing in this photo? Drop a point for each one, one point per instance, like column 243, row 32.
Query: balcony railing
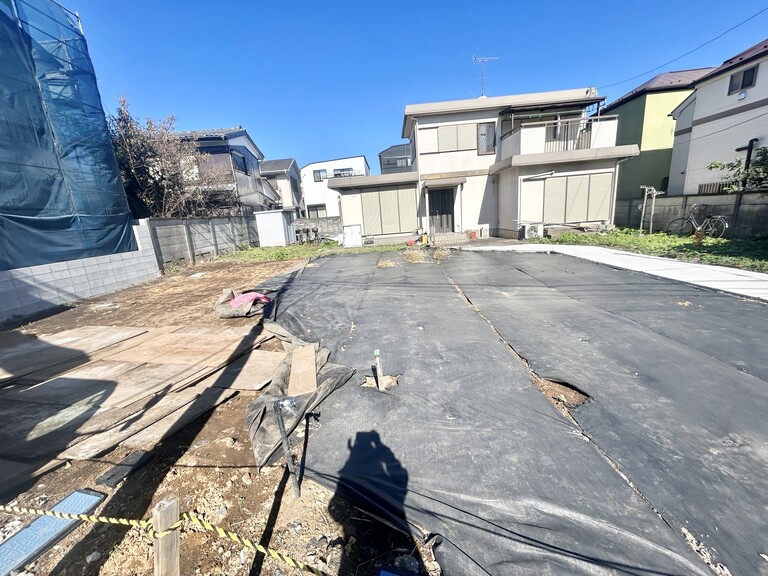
column 560, row 136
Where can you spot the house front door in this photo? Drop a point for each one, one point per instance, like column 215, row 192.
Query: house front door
column 441, row 210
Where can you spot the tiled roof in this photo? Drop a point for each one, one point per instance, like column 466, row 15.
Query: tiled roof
column 667, row 81
column 212, row 132
column 759, row 49
column 281, row 165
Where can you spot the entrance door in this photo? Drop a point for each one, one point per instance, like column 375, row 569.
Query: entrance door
column 441, row 209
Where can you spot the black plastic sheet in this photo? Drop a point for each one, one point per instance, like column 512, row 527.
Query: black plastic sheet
column 465, row 447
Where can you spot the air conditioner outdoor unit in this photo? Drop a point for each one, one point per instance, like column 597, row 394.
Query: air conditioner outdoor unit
column 533, row 230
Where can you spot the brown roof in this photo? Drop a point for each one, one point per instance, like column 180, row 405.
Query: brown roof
column 677, row 80
column 759, row 49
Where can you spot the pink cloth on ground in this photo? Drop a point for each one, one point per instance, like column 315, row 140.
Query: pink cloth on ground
column 248, row 297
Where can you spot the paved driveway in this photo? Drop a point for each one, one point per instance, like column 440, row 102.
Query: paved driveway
column 670, row 453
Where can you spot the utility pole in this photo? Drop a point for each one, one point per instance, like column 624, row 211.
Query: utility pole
column 750, row 147
column 482, row 61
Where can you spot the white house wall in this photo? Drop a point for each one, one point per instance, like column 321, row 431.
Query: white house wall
column 715, row 140
column 718, row 140
column 316, row 193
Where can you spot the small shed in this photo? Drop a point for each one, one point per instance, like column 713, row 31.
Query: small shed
column 275, row 227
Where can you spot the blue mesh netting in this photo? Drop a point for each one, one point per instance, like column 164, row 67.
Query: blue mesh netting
column 60, row 191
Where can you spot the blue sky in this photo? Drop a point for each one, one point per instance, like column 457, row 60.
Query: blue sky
column 320, row 80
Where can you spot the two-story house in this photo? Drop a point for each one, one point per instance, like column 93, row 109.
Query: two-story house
column 396, row 158
column 644, row 120
column 322, row 200
column 233, row 150
column 284, row 176
column 495, row 166
column 725, row 117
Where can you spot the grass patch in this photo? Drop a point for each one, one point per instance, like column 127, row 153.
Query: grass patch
column 744, row 253
column 440, row 254
column 301, row 251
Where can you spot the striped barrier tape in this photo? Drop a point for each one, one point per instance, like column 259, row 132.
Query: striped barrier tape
column 146, row 526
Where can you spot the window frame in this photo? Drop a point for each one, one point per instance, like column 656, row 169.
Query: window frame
column 343, row 172
column 740, row 77
column 316, row 209
column 488, row 151
column 319, row 175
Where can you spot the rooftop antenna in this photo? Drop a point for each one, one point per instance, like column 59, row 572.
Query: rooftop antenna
column 482, row 61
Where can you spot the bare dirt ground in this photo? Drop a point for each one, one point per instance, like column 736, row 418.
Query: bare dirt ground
column 209, row 466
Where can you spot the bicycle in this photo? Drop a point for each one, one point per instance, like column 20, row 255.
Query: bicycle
column 714, row 226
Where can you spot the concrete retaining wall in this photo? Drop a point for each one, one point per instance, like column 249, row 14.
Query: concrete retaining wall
column 747, row 213
column 188, row 240
column 25, row 292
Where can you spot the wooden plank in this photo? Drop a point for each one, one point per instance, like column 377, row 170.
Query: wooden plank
column 124, row 382
column 172, row 423
column 121, row 470
column 250, row 372
column 102, row 442
column 31, row 355
column 89, row 339
column 303, row 378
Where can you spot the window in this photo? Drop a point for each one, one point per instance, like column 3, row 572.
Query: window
column 456, row 137
column 239, row 163
column 337, row 172
column 742, row 80
column 319, row 175
column 486, row 138
column 316, row 211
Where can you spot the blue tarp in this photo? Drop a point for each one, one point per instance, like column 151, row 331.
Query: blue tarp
column 60, row 192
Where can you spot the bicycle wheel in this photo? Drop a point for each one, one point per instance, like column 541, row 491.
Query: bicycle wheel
column 718, row 227
column 680, row 227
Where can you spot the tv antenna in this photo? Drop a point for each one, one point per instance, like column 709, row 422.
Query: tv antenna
column 482, row 61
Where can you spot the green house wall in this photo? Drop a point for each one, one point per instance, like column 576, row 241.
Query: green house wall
column 645, row 121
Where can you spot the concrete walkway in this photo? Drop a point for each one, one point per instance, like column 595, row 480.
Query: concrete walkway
column 732, row 280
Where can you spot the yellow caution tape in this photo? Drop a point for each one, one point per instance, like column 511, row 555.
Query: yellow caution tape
column 146, row 525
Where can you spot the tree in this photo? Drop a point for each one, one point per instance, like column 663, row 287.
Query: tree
column 165, row 175
column 740, row 179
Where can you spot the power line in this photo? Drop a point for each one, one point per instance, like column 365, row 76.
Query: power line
column 731, row 29
column 729, row 127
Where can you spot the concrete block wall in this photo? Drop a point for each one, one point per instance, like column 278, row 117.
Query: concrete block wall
column 188, row 240
column 33, row 290
column 326, row 227
column 747, row 213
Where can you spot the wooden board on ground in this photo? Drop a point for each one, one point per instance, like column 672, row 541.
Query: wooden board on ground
column 214, row 348
column 24, row 356
column 102, row 442
column 174, row 422
column 125, row 382
column 250, row 372
column 13, row 473
column 303, row 378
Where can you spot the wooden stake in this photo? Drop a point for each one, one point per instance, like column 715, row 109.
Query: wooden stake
column 164, row 515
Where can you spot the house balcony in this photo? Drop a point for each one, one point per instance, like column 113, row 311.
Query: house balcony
column 560, row 136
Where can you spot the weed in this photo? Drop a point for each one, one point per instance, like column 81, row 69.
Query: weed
column 415, row 255
column 386, row 263
column 744, row 253
column 440, row 254
column 299, row 251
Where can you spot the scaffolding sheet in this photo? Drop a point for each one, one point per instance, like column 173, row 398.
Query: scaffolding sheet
column 60, row 192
